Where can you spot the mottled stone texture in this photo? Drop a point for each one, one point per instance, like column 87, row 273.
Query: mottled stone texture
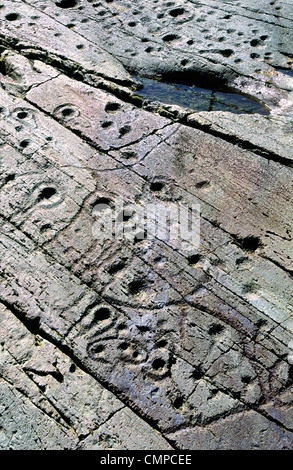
column 133, row 343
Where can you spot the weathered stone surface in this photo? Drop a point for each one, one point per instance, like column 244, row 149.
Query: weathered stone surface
column 131, row 343
column 122, row 432
column 247, row 431
column 61, row 404
column 26, row 28
column 271, row 136
column 240, row 44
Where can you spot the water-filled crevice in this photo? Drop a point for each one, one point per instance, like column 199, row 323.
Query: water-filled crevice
column 197, row 97
column 286, row 71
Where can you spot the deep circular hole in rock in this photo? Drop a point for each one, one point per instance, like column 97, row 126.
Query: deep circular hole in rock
column 178, row 402
column 171, row 37
column 226, row 52
column 22, row 114
column 12, row 16
column 124, row 130
column 246, row 379
column 249, row 243
column 215, row 329
column 255, row 42
column 112, row 107
column 162, row 344
column 24, row 143
column 47, row 193
column 261, row 322
column 193, row 259
column 67, row 3
column 158, row 364
column 128, row 154
column 254, row 55
column 156, row 186
column 67, row 112
column 101, row 204
column 102, row 313
column 197, row 374
column 97, row 349
column 136, row 286
column 106, row 124
column 202, row 184
column 45, row 227
column 240, row 260
column 177, row 12
column 143, row 328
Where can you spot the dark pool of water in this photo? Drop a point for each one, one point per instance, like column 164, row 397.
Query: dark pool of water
column 199, row 99
column 286, row 71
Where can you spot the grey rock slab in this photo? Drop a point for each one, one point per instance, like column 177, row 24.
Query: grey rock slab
column 55, row 144
column 244, row 431
column 61, row 404
column 83, row 338
column 189, row 337
column 272, row 135
column 152, row 158
column 18, row 74
column 198, row 144
column 241, row 44
column 282, row 410
column 89, row 347
column 122, row 432
column 209, row 160
column 57, row 304
column 57, row 294
column 27, row 28
column 31, row 429
column 106, row 120
column 51, row 379
column 119, row 290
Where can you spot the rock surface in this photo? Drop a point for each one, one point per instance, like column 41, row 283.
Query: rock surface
column 130, row 342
